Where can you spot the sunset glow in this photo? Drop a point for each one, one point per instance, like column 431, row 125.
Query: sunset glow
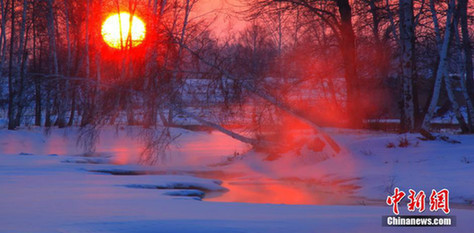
column 115, row 30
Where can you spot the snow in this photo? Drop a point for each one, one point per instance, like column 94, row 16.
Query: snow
column 47, row 184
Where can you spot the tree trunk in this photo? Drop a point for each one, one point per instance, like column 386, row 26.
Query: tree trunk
column 11, row 77
column 73, row 108
column 36, row 79
column 442, row 67
column 466, row 45
column 173, row 82
column 21, row 63
column 69, row 64
column 88, row 108
column 37, row 101
column 218, row 127
column 152, row 69
column 52, row 37
column 60, row 121
column 454, row 104
column 47, row 117
column 3, row 40
column 469, row 105
column 468, row 83
column 348, row 50
column 407, row 44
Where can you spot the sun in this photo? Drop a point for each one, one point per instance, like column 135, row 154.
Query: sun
column 116, row 38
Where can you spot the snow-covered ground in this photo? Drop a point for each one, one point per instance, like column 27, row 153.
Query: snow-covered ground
column 47, row 184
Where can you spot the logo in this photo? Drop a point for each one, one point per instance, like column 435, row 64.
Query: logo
column 438, row 201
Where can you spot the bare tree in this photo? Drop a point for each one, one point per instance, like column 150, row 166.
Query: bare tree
column 337, row 14
column 11, row 77
column 21, row 64
column 466, row 42
column 442, row 71
column 407, row 44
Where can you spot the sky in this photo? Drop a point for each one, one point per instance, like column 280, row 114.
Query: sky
column 225, row 12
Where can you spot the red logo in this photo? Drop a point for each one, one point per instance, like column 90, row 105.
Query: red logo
column 438, row 200
column 417, row 201
column 395, row 199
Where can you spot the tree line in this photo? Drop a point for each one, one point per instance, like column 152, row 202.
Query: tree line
column 327, row 63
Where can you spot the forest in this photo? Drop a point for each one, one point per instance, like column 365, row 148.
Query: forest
column 363, row 64
column 236, row 116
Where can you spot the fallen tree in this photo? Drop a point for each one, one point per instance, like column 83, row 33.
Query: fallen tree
column 301, row 115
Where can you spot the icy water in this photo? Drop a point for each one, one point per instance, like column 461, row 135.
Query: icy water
column 296, row 192
column 194, row 149
column 123, row 146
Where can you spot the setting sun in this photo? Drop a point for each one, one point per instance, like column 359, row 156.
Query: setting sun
column 116, row 38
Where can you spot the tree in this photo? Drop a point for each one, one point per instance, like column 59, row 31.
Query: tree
column 337, row 14
column 407, row 44
column 11, row 77
column 442, row 70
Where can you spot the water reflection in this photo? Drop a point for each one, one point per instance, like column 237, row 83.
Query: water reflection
column 285, row 192
column 191, row 148
column 194, row 151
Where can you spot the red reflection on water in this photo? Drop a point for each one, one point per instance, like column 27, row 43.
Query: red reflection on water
column 254, row 179
column 277, row 181
column 125, row 154
column 267, row 193
column 284, row 192
column 36, row 142
column 206, row 148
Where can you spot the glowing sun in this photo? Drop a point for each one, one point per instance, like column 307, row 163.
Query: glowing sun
column 115, row 30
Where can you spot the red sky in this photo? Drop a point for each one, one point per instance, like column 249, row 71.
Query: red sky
column 225, row 10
